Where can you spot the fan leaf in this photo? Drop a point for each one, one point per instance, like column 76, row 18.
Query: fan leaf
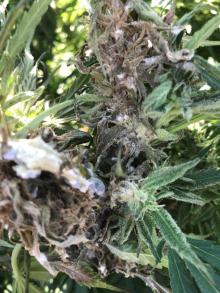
column 175, row 238
column 180, row 278
column 166, row 175
column 203, row 34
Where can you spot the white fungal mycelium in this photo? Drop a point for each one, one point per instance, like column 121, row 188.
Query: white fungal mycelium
column 32, row 156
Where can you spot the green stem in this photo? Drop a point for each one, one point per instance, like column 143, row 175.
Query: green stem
column 27, row 270
column 14, row 261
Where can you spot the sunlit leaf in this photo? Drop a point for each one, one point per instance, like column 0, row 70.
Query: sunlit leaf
column 4, row 243
column 10, row 22
column 186, row 196
column 25, row 30
column 204, row 33
column 144, row 259
column 175, row 238
column 40, row 118
column 166, row 175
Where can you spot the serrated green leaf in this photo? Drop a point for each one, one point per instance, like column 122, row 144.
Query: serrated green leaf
column 145, row 235
column 181, row 280
column 37, row 272
column 10, row 22
column 126, row 228
column 203, row 34
column 23, row 96
column 207, row 251
column 210, row 73
column 144, row 259
column 40, row 276
column 186, row 196
column 25, row 30
column 203, row 179
column 166, row 175
column 40, row 118
column 205, row 284
column 206, row 107
column 157, row 98
column 175, row 238
column 187, row 17
column 164, row 135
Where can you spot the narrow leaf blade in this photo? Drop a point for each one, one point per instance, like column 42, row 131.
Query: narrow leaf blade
column 175, row 238
column 210, row 73
column 166, row 175
column 208, row 251
column 203, row 34
column 40, row 118
column 181, row 280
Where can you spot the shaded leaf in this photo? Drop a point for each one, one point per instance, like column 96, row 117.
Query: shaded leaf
column 205, row 284
column 187, row 16
column 145, row 235
column 180, row 278
column 158, row 96
column 98, row 283
column 203, row 179
column 207, row 251
column 210, row 73
column 89, row 98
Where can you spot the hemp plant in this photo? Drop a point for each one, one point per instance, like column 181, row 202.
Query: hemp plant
column 104, row 198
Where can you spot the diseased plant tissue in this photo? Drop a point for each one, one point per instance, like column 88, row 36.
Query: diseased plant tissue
column 94, row 203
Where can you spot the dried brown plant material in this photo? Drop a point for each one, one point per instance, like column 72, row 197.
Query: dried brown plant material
column 73, row 271
column 45, row 197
